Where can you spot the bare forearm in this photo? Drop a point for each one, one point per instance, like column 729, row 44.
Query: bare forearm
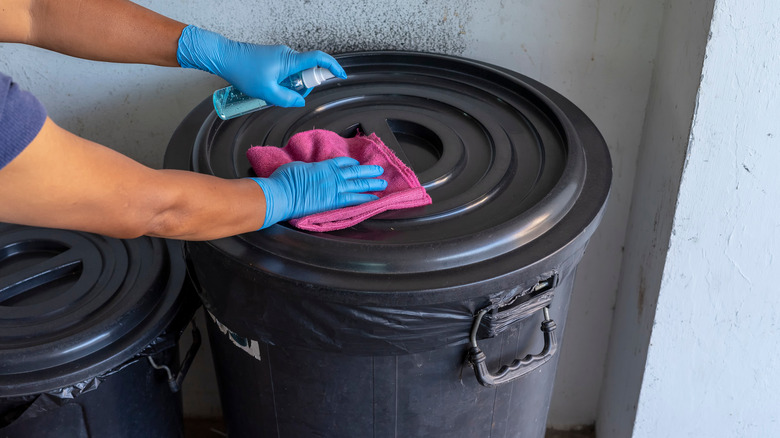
column 202, row 207
column 63, row 181
column 103, row 30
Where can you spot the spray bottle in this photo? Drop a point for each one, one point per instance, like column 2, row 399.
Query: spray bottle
column 229, row 102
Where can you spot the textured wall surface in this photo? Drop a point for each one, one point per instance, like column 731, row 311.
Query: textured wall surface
column 712, row 361
column 661, row 156
column 598, row 53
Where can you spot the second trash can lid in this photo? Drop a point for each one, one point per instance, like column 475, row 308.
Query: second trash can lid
column 74, row 305
column 513, row 168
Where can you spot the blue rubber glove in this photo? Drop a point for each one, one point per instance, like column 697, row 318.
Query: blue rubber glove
column 254, row 69
column 299, row 189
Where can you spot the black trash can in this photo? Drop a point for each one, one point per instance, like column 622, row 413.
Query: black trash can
column 438, row 321
column 89, row 330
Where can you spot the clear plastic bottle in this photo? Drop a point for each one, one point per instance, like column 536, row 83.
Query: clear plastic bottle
column 229, row 102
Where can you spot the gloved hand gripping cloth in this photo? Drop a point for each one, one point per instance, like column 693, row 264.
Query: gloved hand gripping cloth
column 403, row 187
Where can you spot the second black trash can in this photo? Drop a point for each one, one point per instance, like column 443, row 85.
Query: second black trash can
column 89, row 328
column 439, row 321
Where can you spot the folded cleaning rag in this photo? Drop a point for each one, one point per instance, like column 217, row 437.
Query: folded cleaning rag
column 403, row 188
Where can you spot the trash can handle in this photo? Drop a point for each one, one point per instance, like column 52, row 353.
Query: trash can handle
column 519, row 367
column 174, row 382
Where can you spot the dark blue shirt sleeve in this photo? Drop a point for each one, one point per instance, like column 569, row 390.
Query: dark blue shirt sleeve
column 21, row 118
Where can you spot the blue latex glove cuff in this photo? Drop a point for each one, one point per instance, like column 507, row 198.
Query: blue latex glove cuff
column 274, row 211
column 195, row 45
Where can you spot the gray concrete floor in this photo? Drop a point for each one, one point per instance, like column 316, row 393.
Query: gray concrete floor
column 203, row 428
column 198, row 428
column 587, row 432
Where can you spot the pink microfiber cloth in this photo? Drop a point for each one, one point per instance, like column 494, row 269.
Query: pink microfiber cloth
column 403, row 188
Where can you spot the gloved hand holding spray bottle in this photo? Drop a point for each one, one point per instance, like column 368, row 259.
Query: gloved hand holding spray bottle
column 230, row 102
column 278, row 75
column 265, row 75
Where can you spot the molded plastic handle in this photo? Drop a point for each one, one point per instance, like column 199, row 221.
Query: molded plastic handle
column 519, row 367
column 176, row 379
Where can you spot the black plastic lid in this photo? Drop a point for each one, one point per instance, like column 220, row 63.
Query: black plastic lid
column 512, row 167
column 74, row 305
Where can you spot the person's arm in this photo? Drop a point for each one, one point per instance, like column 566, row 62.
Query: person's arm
column 102, row 30
column 63, row 181
column 121, row 31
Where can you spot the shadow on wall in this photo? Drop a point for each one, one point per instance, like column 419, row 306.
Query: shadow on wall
column 136, row 119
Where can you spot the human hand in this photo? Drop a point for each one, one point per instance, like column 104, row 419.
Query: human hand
column 299, row 189
column 254, row 69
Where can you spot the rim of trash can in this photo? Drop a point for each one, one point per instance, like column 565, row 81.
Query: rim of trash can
column 363, row 258
column 74, row 305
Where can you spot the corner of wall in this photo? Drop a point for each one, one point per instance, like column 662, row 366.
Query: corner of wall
column 663, row 148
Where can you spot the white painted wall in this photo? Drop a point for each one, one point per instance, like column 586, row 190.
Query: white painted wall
column 598, row 53
column 663, row 150
column 712, row 365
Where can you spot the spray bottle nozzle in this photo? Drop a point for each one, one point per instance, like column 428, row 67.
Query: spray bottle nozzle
column 229, row 102
column 315, row 76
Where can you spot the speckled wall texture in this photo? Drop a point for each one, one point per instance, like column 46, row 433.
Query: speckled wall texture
column 426, row 26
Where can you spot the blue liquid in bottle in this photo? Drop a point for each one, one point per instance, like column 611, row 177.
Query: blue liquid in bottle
column 230, row 102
